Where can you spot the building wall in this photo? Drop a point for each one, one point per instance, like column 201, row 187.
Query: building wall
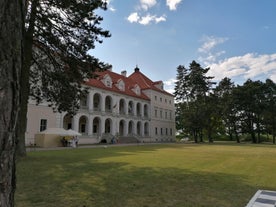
column 34, row 116
column 106, row 113
column 162, row 116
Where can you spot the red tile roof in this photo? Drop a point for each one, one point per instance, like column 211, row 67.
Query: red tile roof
column 145, row 83
column 136, row 78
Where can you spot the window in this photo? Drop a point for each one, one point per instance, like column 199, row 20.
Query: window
column 137, row 90
column 161, row 114
column 43, row 124
column 108, row 83
column 156, row 131
column 155, row 111
column 155, row 97
column 161, row 131
column 121, row 85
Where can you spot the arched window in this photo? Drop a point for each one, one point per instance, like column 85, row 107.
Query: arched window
column 108, row 107
column 97, row 102
column 107, row 126
column 122, row 106
column 146, row 129
column 130, row 108
column 83, row 125
column 121, row 127
column 146, row 111
column 96, row 126
column 138, row 109
column 67, row 121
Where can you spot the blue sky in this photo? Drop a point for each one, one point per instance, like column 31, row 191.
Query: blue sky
column 236, row 38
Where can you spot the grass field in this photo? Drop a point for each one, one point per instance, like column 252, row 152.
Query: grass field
column 175, row 175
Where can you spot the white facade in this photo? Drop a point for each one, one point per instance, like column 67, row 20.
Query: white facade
column 148, row 115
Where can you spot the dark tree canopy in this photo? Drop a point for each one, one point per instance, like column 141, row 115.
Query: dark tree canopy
column 191, row 89
column 57, row 38
column 228, row 110
column 62, row 34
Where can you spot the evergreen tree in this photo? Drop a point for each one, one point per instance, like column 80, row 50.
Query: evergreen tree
column 181, row 84
column 269, row 113
column 192, row 87
column 58, row 36
column 199, row 84
column 249, row 99
column 226, row 107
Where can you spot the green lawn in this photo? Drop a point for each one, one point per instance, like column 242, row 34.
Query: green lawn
column 174, row 175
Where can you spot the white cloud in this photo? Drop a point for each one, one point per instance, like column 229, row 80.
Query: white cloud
column 247, row 66
column 273, row 76
column 208, row 53
column 109, row 6
column 160, row 19
column 209, row 42
column 133, row 17
column 146, row 4
column 243, row 67
column 172, row 4
column 169, row 85
column 145, row 20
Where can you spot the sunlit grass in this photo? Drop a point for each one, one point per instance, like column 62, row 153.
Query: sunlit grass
column 146, row 176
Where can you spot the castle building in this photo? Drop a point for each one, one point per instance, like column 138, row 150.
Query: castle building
column 126, row 107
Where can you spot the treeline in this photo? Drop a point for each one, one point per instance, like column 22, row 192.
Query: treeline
column 205, row 109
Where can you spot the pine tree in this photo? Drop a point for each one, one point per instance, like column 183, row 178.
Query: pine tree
column 181, row 84
column 192, row 87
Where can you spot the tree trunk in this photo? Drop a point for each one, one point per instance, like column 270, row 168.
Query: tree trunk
column 230, row 133
column 201, row 135
column 11, row 29
column 195, row 135
column 236, row 134
column 24, row 83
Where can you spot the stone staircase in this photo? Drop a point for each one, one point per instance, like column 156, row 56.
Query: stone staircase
column 128, row 139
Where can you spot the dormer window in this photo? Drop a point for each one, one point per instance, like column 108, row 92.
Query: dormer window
column 159, row 85
column 137, row 90
column 121, row 85
column 107, row 81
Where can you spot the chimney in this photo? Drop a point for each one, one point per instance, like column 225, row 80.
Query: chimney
column 110, row 68
column 136, row 69
column 124, row 73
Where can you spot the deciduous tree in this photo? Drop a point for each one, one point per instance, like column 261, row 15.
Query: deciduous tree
column 57, row 39
column 11, row 32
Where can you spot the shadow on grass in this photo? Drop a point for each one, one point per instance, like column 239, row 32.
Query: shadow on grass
column 77, row 179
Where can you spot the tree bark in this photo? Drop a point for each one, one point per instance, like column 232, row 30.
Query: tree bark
column 11, row 29
column 25, row 83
